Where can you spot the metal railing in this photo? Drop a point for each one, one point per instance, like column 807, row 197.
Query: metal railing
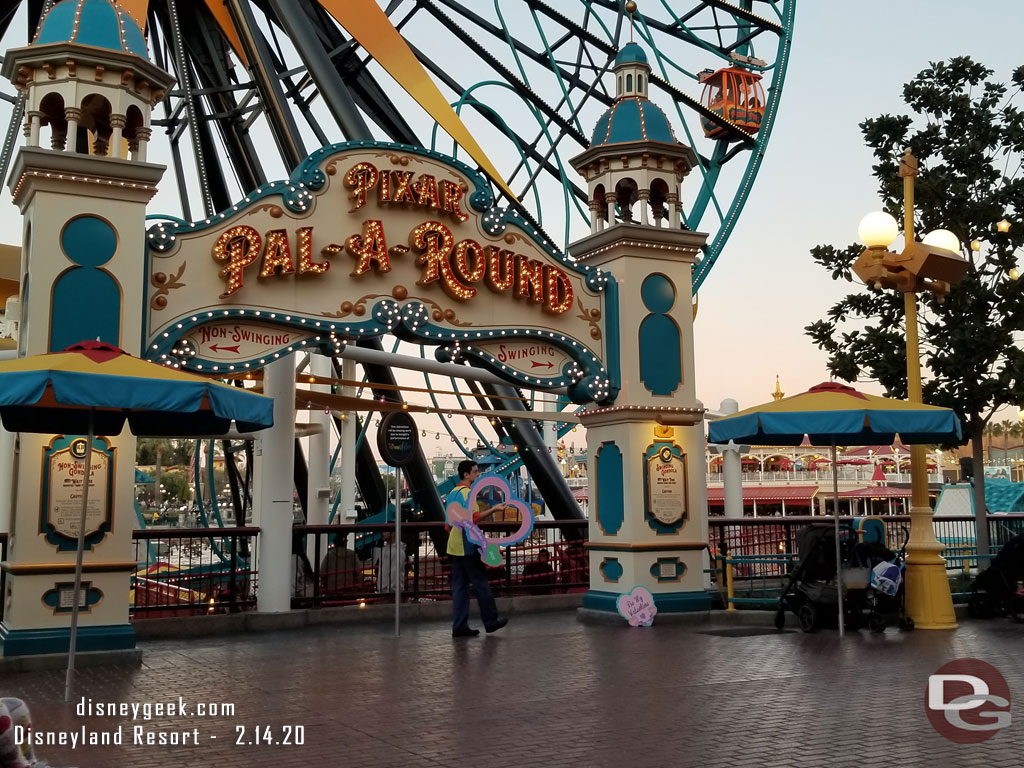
column 757, row 554
column 201, row 571
column 818, row 476
column 191, row 572
column 348, row 565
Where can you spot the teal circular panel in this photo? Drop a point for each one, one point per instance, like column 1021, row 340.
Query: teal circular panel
column 658, row 293
column 89, row 241
column 611, row 569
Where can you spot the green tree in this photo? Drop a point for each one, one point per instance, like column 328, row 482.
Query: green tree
column 968, row 135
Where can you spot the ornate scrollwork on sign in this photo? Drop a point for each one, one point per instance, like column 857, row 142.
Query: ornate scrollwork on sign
column 273, row 210
column 442, row 314
column 164, row 285
column 593, row 318
column 357, row 307
column 395, row 159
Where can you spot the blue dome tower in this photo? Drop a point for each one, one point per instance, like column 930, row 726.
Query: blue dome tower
column 87, row 77
column 82, row 183
column 96, row 23
column 634, row 156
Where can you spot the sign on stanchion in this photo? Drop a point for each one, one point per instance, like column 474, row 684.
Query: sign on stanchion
column 397, row 441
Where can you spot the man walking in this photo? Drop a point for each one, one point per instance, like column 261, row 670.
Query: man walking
column 467, row 567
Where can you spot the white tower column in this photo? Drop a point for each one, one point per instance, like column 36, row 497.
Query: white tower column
column 272, row 502
column 732, row 469
column 318, row 487
column 349, row 430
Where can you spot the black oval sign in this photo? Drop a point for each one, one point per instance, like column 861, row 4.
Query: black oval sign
column 396, row 438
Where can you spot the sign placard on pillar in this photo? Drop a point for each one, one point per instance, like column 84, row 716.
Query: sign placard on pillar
column 63, row 483
column 665, row 507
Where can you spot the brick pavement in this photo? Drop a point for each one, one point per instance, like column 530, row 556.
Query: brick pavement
column 546, row 691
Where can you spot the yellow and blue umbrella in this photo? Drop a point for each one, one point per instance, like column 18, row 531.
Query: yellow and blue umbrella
column 834, row 414
column 63, row 391
column 94, row 388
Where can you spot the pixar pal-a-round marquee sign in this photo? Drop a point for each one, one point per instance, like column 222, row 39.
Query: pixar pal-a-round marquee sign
column 366, row 239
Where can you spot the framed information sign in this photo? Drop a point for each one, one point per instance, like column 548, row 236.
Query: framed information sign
column 63, row 484
column 665, row 507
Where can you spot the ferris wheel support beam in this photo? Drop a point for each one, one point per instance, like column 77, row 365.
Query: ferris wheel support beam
column 541, row 465
column 337, row 97
column 417, row 471
column 215, row 86
column 264, row 73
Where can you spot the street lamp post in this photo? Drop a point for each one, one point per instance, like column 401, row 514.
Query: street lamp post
column 931, row 265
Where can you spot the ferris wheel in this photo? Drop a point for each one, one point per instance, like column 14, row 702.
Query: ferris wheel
column 514, row 87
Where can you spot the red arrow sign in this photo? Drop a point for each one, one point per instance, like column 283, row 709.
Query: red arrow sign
column 215, row 348
column 535, row 364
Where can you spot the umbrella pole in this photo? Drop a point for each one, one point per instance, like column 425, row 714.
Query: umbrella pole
column 835, row 518
column 397, row 549
column 80, row 550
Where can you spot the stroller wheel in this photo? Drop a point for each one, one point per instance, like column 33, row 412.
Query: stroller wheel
column 807, row 615
column 906, row 624
column 876, row 624
column 780, row 618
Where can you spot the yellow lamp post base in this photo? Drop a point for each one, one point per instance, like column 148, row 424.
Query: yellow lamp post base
column 929, row 602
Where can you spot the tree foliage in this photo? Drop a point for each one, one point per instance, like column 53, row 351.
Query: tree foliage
column 968, row 135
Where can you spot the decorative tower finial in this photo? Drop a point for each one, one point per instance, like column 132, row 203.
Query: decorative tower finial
column 778, row 394
column 631, row 9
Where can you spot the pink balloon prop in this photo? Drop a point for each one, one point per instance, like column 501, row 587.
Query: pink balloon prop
column 638, row 607
column 461, row 517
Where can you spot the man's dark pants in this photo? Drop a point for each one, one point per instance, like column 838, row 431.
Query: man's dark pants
column 467, row 570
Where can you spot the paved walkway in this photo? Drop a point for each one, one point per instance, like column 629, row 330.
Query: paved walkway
column 545, row 691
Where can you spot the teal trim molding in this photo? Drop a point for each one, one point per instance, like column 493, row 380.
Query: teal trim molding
column 671, row 602
column 35, row 642
column 610, row 501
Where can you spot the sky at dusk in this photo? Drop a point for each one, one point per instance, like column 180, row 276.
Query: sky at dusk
column 849, row 61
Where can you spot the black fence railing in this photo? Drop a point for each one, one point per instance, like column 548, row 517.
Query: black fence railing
column 211, row 570
column 191, row 572
column 354, row 564
column 3, row 573
column 766, row 544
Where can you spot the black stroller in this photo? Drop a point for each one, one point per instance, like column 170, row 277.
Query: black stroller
column 885, row 598
column 811, row 592
column 995, row 592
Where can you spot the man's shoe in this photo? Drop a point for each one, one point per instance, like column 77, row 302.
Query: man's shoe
column 466, row 632
column 496, row 625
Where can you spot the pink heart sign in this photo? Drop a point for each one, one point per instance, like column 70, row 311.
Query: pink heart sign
column 637, row 606
column 461, row 517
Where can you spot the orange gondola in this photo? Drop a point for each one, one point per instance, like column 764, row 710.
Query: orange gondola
column 736, row 95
